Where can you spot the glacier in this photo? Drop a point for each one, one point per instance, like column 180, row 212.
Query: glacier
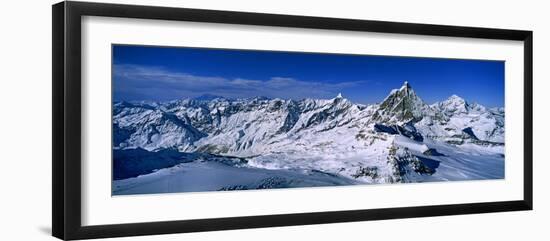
column 212, row 143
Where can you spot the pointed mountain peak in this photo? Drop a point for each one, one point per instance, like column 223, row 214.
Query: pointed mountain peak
column 406, row 85
column 340, row 100
column 401, row 105
column 405, row 91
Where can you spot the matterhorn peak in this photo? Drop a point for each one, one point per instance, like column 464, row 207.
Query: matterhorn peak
column 405, row 85
column 339, row 96
column 401, row 105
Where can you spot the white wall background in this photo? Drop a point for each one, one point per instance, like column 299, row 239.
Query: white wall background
column 25, row 119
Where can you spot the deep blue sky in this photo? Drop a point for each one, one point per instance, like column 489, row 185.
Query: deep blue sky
column 166, row 73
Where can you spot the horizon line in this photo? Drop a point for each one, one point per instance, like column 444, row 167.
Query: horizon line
column 340, row 95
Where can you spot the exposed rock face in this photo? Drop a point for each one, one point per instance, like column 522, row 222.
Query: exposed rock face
column 404, row 163
column 401, row 106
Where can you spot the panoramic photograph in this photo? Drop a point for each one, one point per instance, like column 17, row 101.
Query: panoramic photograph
column 201, row 119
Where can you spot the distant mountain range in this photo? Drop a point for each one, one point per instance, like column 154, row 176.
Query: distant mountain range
column 385, row 142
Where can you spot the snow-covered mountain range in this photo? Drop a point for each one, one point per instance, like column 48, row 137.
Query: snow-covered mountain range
column 401, row 139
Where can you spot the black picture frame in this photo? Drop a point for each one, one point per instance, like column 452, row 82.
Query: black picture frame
column 66, row 158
